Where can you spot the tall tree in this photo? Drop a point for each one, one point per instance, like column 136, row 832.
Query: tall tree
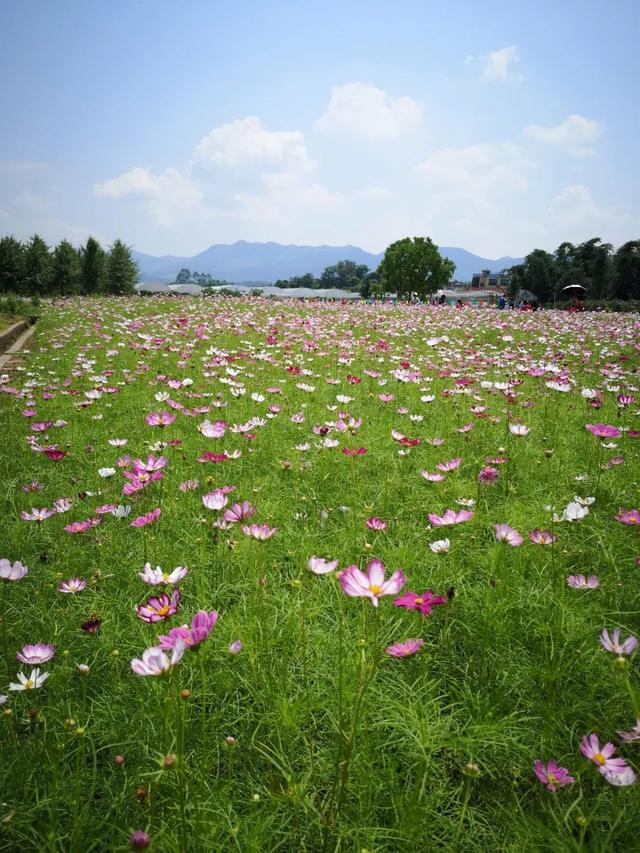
column 536, row 273
column 595, row 258
column 347, row 275
column 414, row 265
column 627, row 271
column 11, row 266
column 37, row 267
column 122, row 271
column 92, row 266
column 65, row 269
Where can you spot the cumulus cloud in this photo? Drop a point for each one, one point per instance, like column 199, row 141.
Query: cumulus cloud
column 167, row 195
column 497, row 65
column 247, row 142
column 574, row 134
column 479, row 169
column 363, row 110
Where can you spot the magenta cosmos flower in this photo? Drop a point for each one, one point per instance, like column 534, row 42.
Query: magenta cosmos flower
column 376, row 524
column 202, row 625
column 488, row 475
column 450, row 517
column 239, row 511
column 581, row 582
column 72, row 586
column 603, row 430
column 261, row 532
column 507, row 534
column 12, row 571
column 552, row 775
column 542, row 537
column 147, row 519
column 82, row 526
column 160, row 419
column 601, row 756
column 404, row 649
column 36, row 653
column 372, row 585
column 155, row 662
column 629, row 517
column 424, row 602
column 613, row 644
column 159, row 607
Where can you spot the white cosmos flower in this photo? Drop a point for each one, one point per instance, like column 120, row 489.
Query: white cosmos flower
column 35, row 680
column 441, row 546
column 106, row 472
column 574, row 512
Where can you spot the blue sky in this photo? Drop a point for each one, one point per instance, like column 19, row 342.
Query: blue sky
column 496, row 126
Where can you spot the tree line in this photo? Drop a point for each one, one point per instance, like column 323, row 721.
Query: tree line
column 32, row 268
column 603, row 273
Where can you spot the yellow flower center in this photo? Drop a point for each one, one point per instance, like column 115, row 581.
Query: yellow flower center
column 551, row 779
column 375, row 589
column 163, row 611
column 165, row 576
column 419, row 601
column 599, row 757
column 29, row 685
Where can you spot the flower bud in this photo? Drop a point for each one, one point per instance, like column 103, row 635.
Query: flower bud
column 139, row 840
column 471, row 769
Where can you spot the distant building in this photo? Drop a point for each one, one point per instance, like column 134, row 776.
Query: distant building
column 487, row 280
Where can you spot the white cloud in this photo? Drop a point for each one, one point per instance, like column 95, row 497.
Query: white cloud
column 575, row 212
column 479, row 169
column 363, row 110
column 573, row 134
column 246, row 142
column 497, row 64
column 167, row 196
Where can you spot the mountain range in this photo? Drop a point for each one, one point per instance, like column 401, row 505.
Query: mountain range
column 243, row 262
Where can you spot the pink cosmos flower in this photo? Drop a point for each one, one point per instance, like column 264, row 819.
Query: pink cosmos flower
column 156, row 576
column 105, row 509
column 159, row 607
column 147, row 519
column 239, row 512
column 488, row 475
column 542, row 537
column 613, row 644
column 603, row 430
column 235, row 647
column 432, row 478
column 634, row 734
column 451, row 465
column 36, row 653
column 552, row 775
column 320, row 566
column 425, row 602
column 189, row 486
column 54, row 454
column 12, row 571
column 216, row 429
column 376, row 524
column 625, row 400
column 507, row 534
column 201, row 626
column 215, row 500
column 38, row 515
column 372, row 585
column 519, row 429
column 357, row 451
column 155, row 661
column 62, row 505
column 450, row 517
column 261, row 532
column 161, row 419
column 630, row 517
column 581, row 582
column 72, row 586
column 82, row 526
column 403, row 650
column 207, row 456
column 601, row 757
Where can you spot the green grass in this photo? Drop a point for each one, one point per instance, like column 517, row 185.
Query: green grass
column 337, row 746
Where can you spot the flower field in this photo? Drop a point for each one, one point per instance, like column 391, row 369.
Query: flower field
column 320, row 577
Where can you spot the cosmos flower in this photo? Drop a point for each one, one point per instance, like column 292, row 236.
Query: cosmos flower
column 601, row 757
column 488, row 475
column 161, row 419
column 156, row 576
column 155, row 662
column 633, row 735
column 552, row 775
column 504, row 533
column 202, row 625
column 574, row 512
column 519, row 429
column 215, row 500
column 424, row 602
column 33, row 682
column 613, row 644
column 235, row 647
column 450, row 517
column 72, row 586
column 261, row 532
column 371, row 585
column 542, row 537
column 147, row 519
column 36, row 653
column 159, row 607
column 376, row 524
column 320, row 566
column 440, row 546
column 451, row 465
column 12, row 571
column 38, row 515
column 357, row 451
column 581, row 582
column 630, row 517
column 82, row 526
column 432, row 477
column 404, row 649
column 603, row 430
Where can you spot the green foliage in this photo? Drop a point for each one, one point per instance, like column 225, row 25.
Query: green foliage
column 122, row 271
column 92, row 266
column 627, row 271
column 37, row 267
column 11, row 265
column 65, row 269
column 414, row 265
column 346, row 275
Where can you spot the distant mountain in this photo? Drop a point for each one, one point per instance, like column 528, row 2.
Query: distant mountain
column 267, row 262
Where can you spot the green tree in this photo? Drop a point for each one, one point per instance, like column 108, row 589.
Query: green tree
column 65, row 269
column 596, row 261
column 536, row 273
column 37, row 267
column 11, row 266
column 414, row 265
column 183, row 276
column 122, row 271
column 347, row 275
column 92, row 266
column 627, row 271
